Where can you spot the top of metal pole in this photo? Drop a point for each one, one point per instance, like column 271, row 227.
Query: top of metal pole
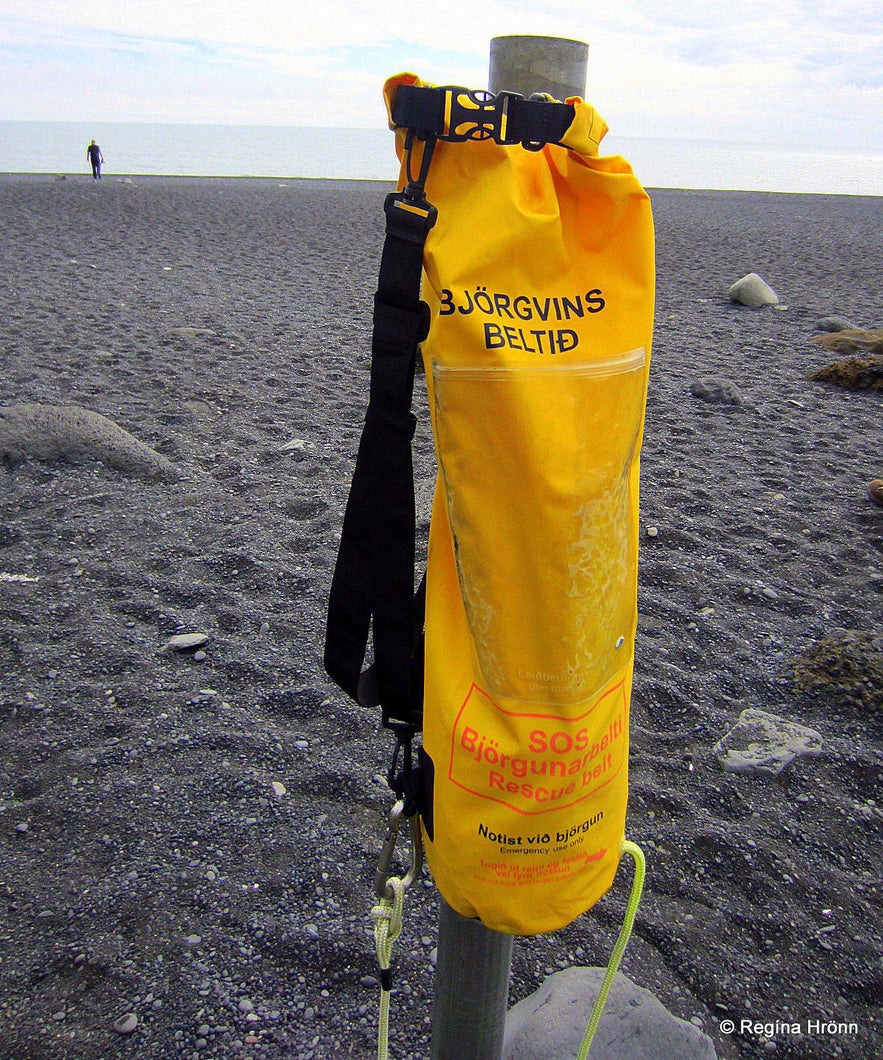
column 538, row 64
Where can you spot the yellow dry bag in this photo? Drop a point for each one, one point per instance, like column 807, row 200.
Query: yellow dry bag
column 536, row 323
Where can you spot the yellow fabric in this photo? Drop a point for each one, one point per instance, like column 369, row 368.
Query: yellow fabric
column 539, row 274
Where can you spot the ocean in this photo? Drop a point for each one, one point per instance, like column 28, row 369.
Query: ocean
column 368, row 154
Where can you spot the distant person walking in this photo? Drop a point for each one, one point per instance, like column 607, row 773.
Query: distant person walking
column 94, row 155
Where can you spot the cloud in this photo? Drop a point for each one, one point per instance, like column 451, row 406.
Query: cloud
column 701, row 67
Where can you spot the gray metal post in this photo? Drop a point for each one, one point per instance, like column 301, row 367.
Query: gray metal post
column 538, row 64
column 471, row 989
column 472, row 971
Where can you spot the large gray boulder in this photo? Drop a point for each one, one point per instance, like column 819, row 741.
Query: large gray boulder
column 550, row 1024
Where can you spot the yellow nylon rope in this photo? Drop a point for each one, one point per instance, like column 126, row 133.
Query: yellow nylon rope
column 625, row 932
column 387, row 917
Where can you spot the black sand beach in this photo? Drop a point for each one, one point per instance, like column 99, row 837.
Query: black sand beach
column 148, row 865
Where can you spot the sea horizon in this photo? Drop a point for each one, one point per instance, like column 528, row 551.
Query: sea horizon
column 180, row 149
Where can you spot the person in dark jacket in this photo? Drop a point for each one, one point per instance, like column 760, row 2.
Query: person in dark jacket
column 94, row 155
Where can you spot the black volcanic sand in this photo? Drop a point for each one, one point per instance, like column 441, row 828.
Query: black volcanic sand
column 148, row 866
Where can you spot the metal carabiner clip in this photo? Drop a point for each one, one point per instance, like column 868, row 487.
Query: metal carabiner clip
column 381, row 886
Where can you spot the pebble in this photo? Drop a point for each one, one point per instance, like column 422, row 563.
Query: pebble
column 126, row 1024
column 193, row 940
column 714, row 388
column 199, row 656
column 184, row 641
column 835, row 323
column 652, row 531
column 279, row 787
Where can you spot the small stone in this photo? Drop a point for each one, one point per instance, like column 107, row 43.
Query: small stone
column 652, row 531
column 835, row 323
column 875, row 491
column 715, row 389
column 185, row 641
column 126, row 1024
column 193, row 940
column 199, row 656
column 22, row 826
column 279, row 788
column 246, row 1005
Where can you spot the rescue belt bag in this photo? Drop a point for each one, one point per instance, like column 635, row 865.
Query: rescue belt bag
column 538, row 281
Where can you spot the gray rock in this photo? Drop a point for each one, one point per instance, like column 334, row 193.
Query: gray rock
column 835, row 323
column 714, row 388
column 752, row 290
column 764, row 743
column 550, row 1024
column 52, row 432
column 185, row 641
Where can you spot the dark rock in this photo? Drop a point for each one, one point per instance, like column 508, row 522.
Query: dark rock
column 847, row 669
column 853, row 373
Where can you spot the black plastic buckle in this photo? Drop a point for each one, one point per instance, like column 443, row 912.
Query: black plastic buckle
column 415, row 188
column 476, row 114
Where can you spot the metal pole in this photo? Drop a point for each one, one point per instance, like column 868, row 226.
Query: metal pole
column 538, row 64
column 471, row 989
column 473, row 966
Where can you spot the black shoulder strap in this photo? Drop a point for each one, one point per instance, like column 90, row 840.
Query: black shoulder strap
column 373, row 579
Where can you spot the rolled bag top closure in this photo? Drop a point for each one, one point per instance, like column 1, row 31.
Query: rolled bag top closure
column 583, row 136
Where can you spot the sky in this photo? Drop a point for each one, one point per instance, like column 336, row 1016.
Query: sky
column 788, row 72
